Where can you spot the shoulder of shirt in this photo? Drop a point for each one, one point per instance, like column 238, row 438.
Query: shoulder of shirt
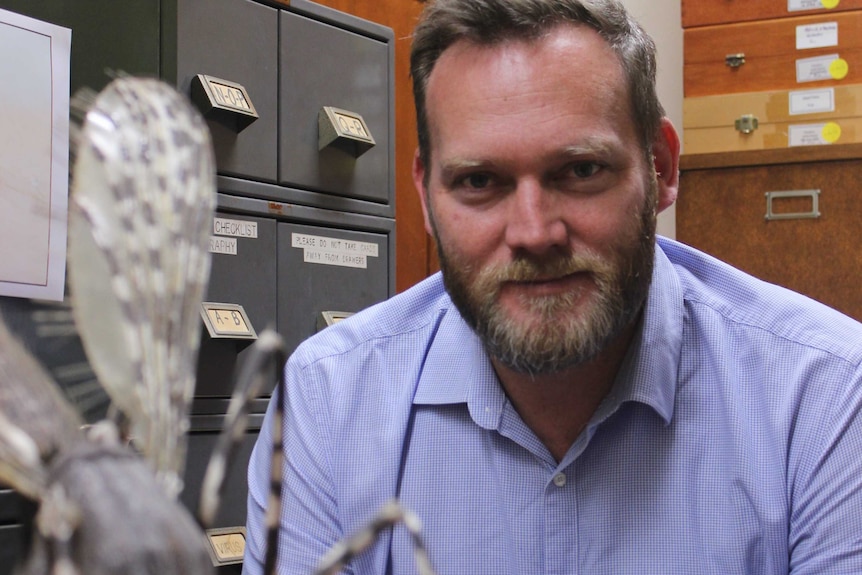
column 416, row 311
column 745, row 301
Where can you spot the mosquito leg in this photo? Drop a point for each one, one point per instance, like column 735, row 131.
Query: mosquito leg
column 389, row 515
column 266, row 354
column 56, row 521
column 273, row 507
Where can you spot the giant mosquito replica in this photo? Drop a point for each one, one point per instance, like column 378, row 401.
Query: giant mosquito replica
column 141, row 205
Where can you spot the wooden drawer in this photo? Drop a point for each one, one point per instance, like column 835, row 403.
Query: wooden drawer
column 828, row 115
column 722, row 207
column 707, row 12
column 772, row 60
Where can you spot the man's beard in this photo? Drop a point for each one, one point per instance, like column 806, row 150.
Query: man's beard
column 556, row 337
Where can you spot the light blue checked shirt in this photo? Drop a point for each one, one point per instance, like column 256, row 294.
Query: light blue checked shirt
column 731, row 442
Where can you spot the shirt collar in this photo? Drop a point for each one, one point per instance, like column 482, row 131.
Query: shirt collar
column 457, row 368
column 650, row 369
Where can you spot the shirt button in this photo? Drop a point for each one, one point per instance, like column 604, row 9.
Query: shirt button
column 560, row 479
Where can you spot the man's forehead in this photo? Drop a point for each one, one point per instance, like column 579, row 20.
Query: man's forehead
column 564, row 35
column 569, row 58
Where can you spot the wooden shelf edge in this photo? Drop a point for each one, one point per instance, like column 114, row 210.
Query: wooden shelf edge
column 792, row 155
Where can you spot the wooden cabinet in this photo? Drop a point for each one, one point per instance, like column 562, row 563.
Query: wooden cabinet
column 771, row 74
column 782, row 53
column 810, row 242
column 707, row 12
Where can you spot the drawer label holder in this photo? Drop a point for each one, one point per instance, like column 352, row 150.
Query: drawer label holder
column 227, row 321
column 328, row 318
column 226, row 545
column 344, row 130
column 223, row 101
column 812, row 195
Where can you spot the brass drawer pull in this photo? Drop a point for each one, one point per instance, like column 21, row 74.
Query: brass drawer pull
column 746, row 123
column 735, row 60
column 813, row 213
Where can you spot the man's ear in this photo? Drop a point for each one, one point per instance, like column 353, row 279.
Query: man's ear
column 419, row 172
column 665, row 152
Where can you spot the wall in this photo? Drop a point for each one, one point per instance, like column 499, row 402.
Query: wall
column 661, row 20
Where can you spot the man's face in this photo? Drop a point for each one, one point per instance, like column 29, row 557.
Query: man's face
column 539, row 196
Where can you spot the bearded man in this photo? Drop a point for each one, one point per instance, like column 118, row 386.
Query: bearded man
column 570, row 394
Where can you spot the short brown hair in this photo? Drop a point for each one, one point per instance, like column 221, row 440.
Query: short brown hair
column 488, row 22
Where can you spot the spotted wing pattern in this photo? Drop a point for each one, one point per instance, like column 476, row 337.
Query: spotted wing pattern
column 143, row 194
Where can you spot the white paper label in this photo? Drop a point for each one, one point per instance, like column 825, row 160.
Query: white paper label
column 820, row 35
column 313, row 256
column 235, row 228
column 814, row 69
column 800, row 5
column 222, row 245
column 334, row 251
column 812, row 101
column 806, row 135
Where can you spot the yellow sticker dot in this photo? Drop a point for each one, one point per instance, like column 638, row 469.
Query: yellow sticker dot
column 829, row 3
column 838, row 68
column 831, row 132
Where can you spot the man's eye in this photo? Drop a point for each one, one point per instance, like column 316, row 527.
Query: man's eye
column 477, row 181
column 585, row 169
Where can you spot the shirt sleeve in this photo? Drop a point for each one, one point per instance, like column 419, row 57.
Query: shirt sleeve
column 825, row 481
column 309, row 523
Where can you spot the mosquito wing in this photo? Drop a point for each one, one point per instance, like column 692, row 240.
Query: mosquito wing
column 141, row 207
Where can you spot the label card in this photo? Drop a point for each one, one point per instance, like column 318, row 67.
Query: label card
column 801, row 5
column 234, row 228
column 222, row 245
column 820, row 35
column 814, row 69
column 812, row 101
column 806, row 135
column 334, row 251
column 226, row 545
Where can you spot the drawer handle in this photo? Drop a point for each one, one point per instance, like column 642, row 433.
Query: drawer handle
column 813, row 213
column 223, row 101
column 746, row 123
column 344, row 130
column 735, row 60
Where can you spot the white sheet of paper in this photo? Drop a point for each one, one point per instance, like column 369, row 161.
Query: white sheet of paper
column 34, row 156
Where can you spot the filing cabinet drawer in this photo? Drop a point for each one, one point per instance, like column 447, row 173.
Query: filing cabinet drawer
column 706, row 12
column 290, row 264
column 819, row 116
column 809, row 243
column 236, row 41
column 243, row 272
column 203, row 436
column 324, row 268
column 324, row 65
column 772, row 60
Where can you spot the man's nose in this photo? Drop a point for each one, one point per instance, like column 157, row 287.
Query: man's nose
column 536, row 221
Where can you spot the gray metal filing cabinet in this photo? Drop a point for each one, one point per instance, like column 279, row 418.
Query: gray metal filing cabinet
column 305, row 223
